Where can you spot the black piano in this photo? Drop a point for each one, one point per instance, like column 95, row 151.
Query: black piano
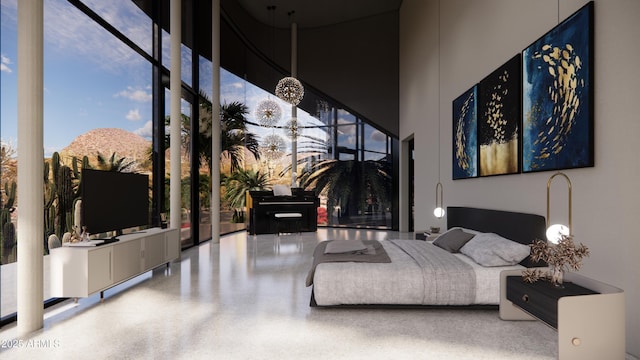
column 264, row 205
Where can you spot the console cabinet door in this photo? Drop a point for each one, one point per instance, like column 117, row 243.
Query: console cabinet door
column 153, row 251
column 100, row 269
column 127, row 262
column 172, row 245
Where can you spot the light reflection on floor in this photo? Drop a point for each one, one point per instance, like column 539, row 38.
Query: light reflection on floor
column 245, row 298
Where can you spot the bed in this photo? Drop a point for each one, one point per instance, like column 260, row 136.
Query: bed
column 420, row 273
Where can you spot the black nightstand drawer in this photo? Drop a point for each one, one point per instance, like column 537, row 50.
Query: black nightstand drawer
column 540, row 298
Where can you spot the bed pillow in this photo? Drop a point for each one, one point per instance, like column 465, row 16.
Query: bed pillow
column 470, row 231
column 453, row 240
column 489, row 249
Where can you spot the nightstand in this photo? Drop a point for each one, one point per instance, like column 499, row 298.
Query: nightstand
column 589, row 315
column 425, row 235
column 540, row 298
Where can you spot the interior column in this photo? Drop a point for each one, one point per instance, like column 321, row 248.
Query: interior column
column 30, row 157
column 175, row 84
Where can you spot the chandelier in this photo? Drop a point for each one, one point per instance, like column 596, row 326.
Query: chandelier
column 268, row 113
column 290, row 90
column 292, row 130
column 273, row 147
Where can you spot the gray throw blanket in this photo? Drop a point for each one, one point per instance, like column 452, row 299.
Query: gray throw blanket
column 375, row 253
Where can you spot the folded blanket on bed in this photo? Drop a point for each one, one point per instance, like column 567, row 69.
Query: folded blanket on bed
column 341, row 247
column 374, row 253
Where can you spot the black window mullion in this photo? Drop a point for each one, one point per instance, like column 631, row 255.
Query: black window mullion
column 158, row 150
column 110, row 28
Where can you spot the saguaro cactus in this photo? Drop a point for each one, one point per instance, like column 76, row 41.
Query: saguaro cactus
column 64, row 190
column 49, row 198
column 7, row 228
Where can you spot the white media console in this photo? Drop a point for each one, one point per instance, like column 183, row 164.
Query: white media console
column 79, row 271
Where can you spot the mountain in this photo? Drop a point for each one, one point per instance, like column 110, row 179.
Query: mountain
column 106, row 141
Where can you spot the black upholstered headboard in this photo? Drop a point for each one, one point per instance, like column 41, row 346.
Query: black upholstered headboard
column 520, row 227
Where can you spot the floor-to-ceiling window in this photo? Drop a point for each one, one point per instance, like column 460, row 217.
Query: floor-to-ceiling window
column 106, row 91
column 97, row 111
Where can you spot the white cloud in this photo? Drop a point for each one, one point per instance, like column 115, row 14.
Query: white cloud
column 377, row 135
column 146, row 131
column 4, row 65
column 70, row 31
column 133, row 115
column 49, row 150
column 346, row 127
column 135, row 95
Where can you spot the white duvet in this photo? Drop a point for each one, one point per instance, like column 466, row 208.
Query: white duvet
column 403, row 280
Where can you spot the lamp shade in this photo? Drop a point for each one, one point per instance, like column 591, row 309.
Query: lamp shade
column 556, row 231
column 438, row 212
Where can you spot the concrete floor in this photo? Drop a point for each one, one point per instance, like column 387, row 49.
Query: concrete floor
column 245, row 298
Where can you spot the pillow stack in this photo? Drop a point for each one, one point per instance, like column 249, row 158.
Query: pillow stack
column 486, row 249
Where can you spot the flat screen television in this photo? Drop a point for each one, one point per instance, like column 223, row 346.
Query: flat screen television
column 113, row 201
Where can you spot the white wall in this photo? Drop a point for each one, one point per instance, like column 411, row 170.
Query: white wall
column 475, row 37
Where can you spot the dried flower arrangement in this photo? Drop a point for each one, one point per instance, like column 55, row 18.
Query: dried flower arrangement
column 562, row 256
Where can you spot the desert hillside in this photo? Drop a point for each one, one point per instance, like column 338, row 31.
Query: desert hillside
column 107, row 141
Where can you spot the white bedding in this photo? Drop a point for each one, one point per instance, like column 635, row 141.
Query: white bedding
column 487, row 280
column 399, row 282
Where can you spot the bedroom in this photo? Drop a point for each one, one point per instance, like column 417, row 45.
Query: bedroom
column 605, row 198
column 473, row 42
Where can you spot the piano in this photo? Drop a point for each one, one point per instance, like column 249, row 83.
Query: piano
column 263, row 205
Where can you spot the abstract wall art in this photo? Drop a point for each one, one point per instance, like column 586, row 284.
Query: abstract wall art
column 499, row 115
column 465, row 135
column 557, row 96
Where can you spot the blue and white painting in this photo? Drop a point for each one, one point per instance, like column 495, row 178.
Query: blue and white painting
column 465, row 135
column 557, row 96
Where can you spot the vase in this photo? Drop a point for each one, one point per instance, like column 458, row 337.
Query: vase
column 557, row 276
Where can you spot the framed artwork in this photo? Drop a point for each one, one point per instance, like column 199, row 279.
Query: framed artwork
column 557, row 96
column 499, row 116
column 465, row 135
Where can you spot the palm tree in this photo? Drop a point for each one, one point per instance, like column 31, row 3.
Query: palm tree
column 237, row 184
column 115, row 164
column 185, row 133
column 234, row 137
column 349, row 183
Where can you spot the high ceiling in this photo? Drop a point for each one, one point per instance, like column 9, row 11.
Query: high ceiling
column 316, row 13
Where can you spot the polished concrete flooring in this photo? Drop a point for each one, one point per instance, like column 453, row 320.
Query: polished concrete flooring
column 245, row 298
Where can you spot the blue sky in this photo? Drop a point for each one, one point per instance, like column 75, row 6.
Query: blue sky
column 92, row 80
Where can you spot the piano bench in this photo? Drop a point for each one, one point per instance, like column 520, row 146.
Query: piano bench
column 291, row 218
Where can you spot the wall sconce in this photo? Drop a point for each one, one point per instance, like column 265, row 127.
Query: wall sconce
column 556, row 231
column 439, row 210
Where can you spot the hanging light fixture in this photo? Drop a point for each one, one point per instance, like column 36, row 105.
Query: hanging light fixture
column 273, row 147
column 291, row 129
column 290, row 90
column 439, row 212
column 556, row 231
column 268, row 113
